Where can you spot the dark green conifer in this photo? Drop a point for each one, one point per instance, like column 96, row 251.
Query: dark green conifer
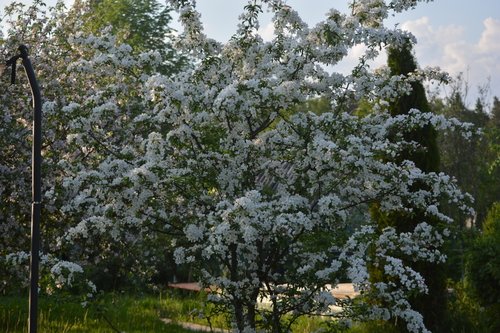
column 433, row 305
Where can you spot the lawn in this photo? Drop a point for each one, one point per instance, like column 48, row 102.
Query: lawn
column 112, row 313
column 116, row 312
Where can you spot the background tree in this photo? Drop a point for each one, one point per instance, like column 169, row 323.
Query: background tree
column 483, row 268
column 472, row 162
column 74, row 92
column 465, row 159
column 492, row 156
column 495, row 112
column 142, row 24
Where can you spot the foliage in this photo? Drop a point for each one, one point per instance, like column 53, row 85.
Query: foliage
column 469, row 160
column 483, row 268
column 473, row 163
column 211, row 163
column 492, row 155
column 464, row 312
column 401, row 62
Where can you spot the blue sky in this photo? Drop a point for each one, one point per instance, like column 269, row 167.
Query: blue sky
column 457, row 35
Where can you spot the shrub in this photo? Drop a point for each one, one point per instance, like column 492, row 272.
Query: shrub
column 483, row 268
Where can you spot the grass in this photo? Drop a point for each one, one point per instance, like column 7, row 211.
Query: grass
column 116, row 312
column 190, row 307
column 112, row 313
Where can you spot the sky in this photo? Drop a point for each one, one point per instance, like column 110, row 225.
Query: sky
column 459, row 36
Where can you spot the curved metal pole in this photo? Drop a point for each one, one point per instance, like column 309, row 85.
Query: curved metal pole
column 36, row 184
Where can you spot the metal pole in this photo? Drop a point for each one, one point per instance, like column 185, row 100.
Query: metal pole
column 36, row 188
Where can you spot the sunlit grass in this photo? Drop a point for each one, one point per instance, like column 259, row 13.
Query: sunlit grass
column 111, row 314
column 115, row 312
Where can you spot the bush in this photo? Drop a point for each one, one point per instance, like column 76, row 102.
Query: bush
column 483, row 268
column 464, row 312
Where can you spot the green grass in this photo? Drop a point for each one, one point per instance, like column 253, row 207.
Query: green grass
column 191, row 307
column 125, row 313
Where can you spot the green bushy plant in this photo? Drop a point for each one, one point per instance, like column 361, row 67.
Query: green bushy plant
column 483, row 268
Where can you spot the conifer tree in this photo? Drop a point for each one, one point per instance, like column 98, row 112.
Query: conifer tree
column 432, row 306
column 495, row 112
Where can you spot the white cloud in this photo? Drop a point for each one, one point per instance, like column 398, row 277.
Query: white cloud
column 447, row 47
column 490, row 38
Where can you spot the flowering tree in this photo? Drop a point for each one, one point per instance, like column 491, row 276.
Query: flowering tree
column 219, row 163
column 83, row 79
